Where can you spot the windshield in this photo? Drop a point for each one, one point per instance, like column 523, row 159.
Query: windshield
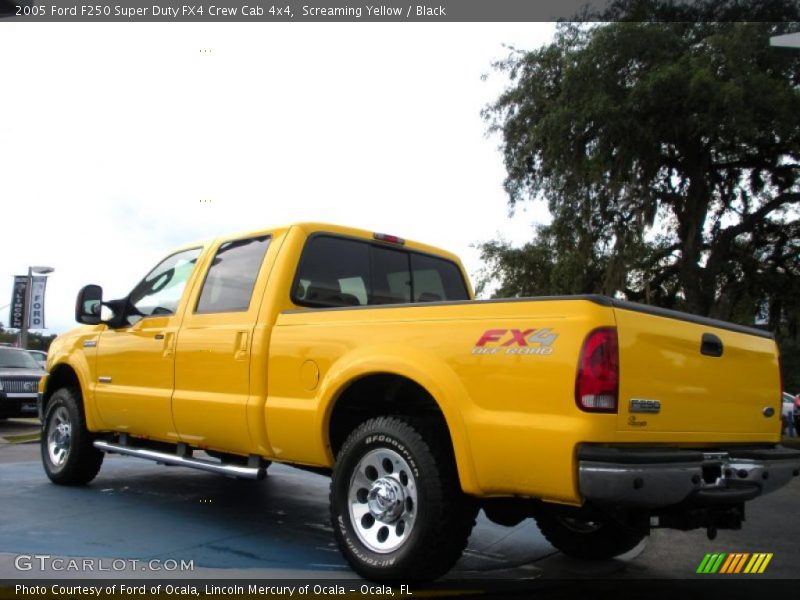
column 11, row 358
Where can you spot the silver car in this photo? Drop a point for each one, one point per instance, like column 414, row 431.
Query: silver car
column 39, row 356
column 19, row 383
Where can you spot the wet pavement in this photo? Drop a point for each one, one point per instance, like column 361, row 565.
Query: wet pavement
column 136, row 510
column 139, row 510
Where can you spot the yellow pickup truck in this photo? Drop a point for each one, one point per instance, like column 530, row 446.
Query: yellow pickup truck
column 364, row 355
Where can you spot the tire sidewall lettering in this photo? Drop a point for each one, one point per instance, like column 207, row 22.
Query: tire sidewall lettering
column 384, row 440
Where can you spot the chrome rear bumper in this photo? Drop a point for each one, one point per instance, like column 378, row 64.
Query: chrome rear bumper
column 656, row 478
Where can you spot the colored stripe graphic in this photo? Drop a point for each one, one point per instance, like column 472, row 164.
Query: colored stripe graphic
column 741, row 562
column 754, row 563
column 737, row 562
column 767, row 558
column 730, row 564
column 702, row 567
column 714, row 563
column 727, row 564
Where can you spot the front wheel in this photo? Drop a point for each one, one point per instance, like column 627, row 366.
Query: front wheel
column 68, row 456
column 582, row 538
column 397, row 508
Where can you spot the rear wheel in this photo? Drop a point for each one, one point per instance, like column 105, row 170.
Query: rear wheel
column 588, row 539
column 397, row 508
column 68, row 456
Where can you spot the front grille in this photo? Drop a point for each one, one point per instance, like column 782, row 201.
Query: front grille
column 20, row 386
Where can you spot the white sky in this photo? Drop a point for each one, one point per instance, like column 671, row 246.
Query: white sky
column 113, row 133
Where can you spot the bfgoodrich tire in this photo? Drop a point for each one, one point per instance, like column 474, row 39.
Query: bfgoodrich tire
column 397, row 509
column 591, row 540
column 68, row 456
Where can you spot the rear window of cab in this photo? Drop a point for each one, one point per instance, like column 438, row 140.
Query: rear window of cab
column 336, row 271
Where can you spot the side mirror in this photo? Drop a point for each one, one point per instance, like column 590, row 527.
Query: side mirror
column 88, row 304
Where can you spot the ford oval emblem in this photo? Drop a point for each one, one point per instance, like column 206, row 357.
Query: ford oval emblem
column 768, row 411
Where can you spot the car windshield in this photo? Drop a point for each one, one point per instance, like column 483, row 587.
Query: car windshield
column 11, row 358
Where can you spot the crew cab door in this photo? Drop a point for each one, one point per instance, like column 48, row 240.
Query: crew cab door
column 213, row 354
column 135, row 363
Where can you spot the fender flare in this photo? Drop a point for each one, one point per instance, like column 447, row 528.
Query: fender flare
column 78, row 365
column 423, row 368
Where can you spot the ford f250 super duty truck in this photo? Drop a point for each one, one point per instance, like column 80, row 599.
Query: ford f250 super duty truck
column 364, row 355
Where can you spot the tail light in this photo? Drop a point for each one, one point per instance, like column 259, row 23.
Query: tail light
column 597, row 383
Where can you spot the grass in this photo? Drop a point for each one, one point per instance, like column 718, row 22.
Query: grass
column 23, row 438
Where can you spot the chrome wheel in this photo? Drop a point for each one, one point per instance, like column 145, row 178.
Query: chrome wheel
column 59, row 436
column 382, row 499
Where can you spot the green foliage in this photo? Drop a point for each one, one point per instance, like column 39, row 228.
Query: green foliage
column 36, row 341
column 669, row 157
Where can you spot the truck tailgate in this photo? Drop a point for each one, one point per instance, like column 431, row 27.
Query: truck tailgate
column 707, row 378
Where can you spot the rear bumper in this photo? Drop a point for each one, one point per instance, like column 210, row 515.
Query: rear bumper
column 662, row 477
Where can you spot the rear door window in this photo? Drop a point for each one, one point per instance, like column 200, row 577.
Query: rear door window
column 333, row 272
column 232, row 275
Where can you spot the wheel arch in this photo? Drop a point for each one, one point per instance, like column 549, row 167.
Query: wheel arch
column 396, row 385
column 67, row 375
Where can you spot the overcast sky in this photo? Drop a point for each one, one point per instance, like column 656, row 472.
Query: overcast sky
column 121, row 141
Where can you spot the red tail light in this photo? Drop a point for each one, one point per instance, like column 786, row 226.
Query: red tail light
column 597, row 383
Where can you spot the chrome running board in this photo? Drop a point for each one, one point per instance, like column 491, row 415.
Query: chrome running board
column 242, row 471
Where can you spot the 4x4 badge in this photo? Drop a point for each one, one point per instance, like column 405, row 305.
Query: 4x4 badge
column 640, row 405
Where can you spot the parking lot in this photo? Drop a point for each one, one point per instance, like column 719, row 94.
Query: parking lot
column 278, row 528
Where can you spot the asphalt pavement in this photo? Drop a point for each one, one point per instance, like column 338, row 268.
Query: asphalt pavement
column 136, row 512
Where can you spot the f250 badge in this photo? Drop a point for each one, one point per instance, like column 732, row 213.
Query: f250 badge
column 538, row 342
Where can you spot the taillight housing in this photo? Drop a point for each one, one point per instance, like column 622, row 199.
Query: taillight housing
column 597, row 381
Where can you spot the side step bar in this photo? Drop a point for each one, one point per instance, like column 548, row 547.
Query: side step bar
column 245, row 472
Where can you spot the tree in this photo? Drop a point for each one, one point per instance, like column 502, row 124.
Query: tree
column 669, row 156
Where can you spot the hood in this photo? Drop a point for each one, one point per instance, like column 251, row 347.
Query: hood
column 6, row 373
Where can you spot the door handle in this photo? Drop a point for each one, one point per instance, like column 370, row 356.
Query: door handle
column 169, row 342
column 711, row 345
column 241, row 345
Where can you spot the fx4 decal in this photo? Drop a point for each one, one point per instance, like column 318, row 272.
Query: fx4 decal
column 538, row 342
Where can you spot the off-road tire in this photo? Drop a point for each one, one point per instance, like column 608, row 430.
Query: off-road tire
column 595, row 540
column 68, row 456
column 440, row 517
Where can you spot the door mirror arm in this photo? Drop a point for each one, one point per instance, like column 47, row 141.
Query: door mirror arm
column 120, row 309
